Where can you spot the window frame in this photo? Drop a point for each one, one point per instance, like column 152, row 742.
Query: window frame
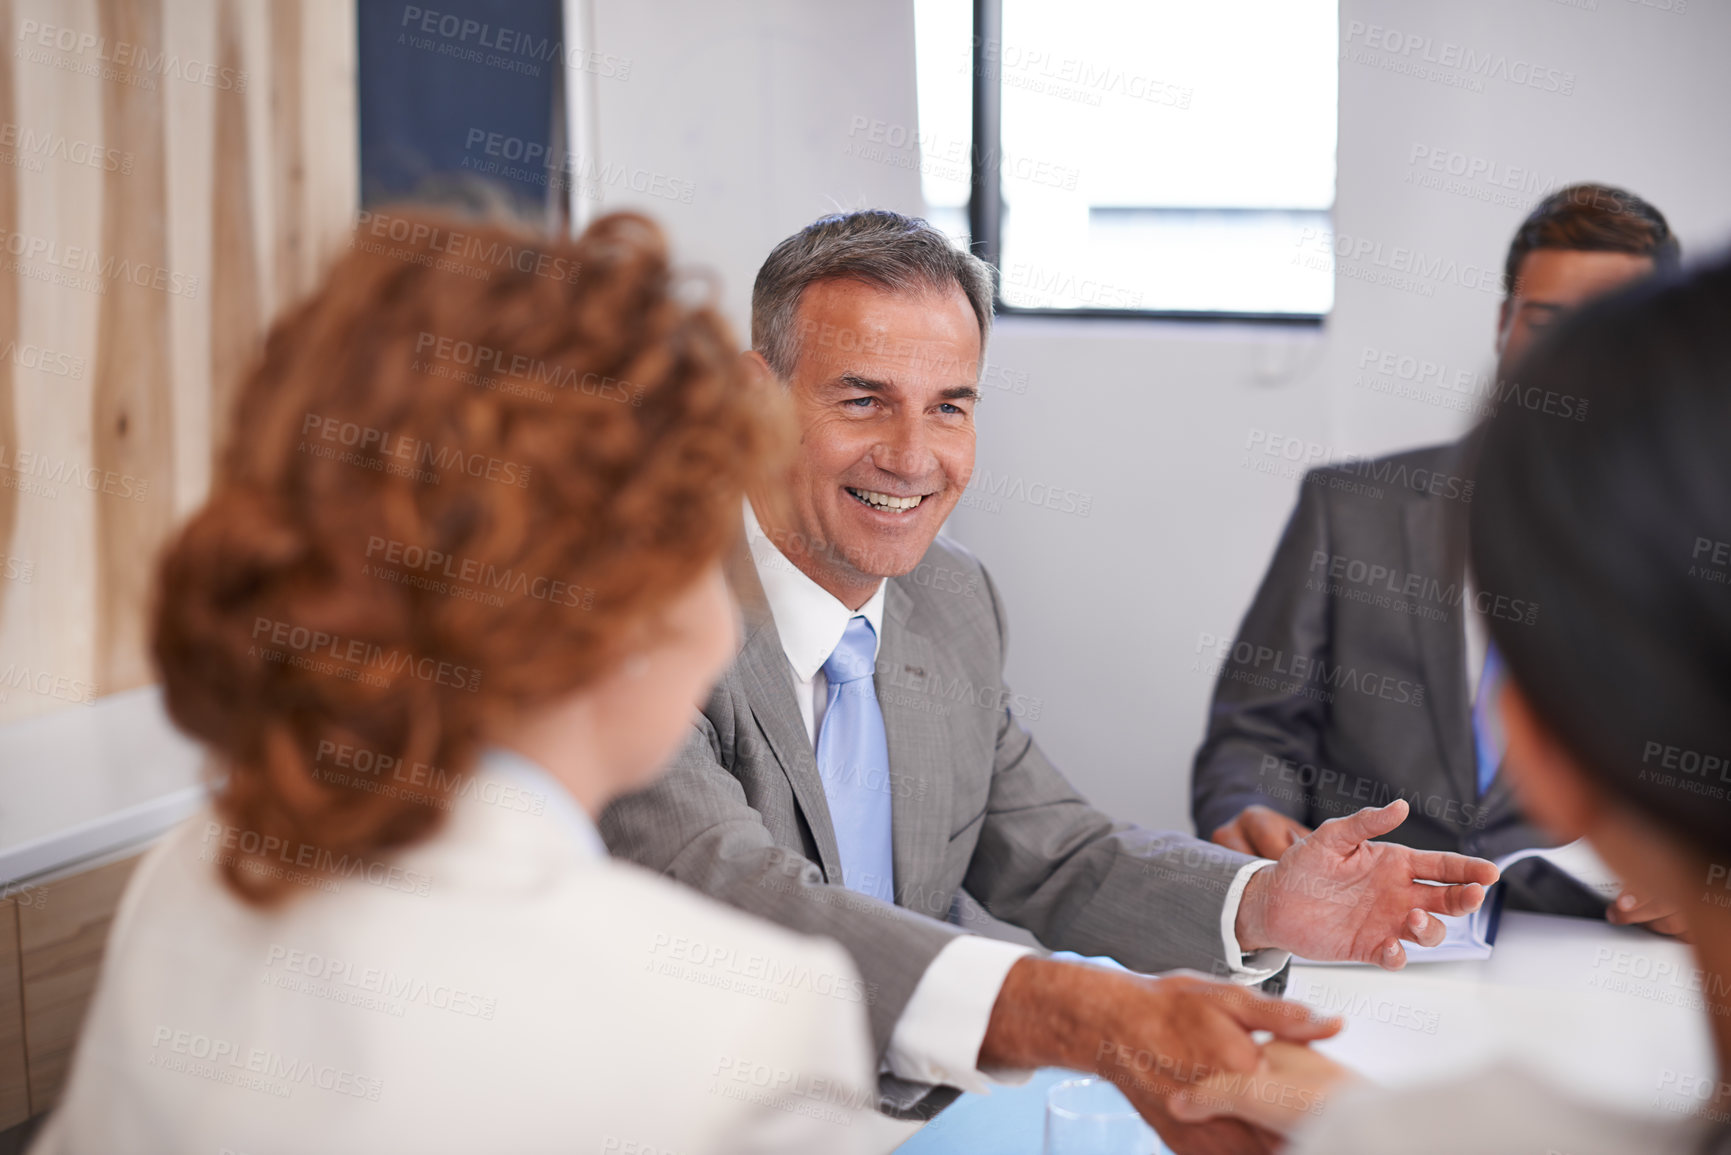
column 986, row 212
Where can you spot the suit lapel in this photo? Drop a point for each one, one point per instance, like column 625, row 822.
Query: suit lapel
column 769, row 690
column 920, row 758
column 1433, row 553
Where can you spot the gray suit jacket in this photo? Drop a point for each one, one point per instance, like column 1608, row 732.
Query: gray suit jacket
column 742, row 816
column 1347, row 686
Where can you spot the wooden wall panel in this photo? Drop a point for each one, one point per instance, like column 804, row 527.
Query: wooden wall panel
column 225, row 153
column 288, row 156
column 60, row 939
column 48, row 632
column 133, row 430
column 235, row 308
column 191, row 114
column 14, row 1090
column 8, row 306
column 329, row 96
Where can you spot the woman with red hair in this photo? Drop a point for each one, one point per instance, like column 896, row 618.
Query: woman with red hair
column 455, row 588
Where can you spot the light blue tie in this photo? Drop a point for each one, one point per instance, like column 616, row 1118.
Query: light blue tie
column 853, row 758
column 1488, row 738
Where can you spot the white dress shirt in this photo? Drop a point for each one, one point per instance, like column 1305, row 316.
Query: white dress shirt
column 938, row 1037
column 1477, row 640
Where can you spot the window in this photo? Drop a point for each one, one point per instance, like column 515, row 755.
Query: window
column 1151, row 157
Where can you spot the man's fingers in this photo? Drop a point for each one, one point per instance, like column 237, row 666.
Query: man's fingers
column 1422, row 929
column 1444, row 866
column 1629, row 909
column 1229, row 837
column 1390, row 956
column 1271, row 834
column 1229, row 1046
column 1371, row 822
column 1671, row 924
column 1450, row 900
column 1658, row 917
column 1280, row 1017
column 1271, row 845
column 1188, row 1107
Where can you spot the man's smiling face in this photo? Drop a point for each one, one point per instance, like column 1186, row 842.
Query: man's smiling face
column 884, row 388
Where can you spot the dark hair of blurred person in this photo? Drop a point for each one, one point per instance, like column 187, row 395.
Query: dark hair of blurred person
column 1616, row 527
column 1618, row 707
column 1592, row 218
column 1580, row 242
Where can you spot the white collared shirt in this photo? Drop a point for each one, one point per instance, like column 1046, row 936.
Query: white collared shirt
column 938, row 1037
column 809, row 619
column 1477, row 639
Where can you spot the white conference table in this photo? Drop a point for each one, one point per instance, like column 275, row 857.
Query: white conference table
column 1611, row 1014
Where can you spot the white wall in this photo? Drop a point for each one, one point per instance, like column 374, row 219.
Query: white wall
column 749, row 105
column 754, row 103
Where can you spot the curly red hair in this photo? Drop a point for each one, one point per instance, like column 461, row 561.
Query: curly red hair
column 461, row 475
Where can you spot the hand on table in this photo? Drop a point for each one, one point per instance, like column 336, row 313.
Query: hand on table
column 1660, row 918
column 1337, row 896
column 1259, row 830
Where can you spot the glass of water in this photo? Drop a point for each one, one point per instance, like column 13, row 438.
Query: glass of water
column 1092, row 1117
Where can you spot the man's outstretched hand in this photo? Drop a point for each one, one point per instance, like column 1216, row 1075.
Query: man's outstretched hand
column 1336, row 896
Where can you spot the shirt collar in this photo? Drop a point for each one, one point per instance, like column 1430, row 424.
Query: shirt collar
column 808, row 617
column 536, row 783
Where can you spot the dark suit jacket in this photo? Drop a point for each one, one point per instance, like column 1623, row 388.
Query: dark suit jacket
column 1347, row 685
column 742, row 814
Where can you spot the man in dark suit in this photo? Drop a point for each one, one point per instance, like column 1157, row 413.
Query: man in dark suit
column 863, row 764
column 1360, row 672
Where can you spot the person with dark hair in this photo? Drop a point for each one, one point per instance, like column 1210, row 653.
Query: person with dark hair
column 1362, row 671
column 456, row 587
column 1617, row 707
column 863, row 761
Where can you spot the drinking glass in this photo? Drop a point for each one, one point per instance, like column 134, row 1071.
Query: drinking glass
column 1092, row 1117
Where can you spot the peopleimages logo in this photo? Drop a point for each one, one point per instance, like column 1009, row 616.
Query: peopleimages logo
column 1396, row 266
column 1471, row 62
column 120, row 60
column 371, row 447
column 46, row 259
column 1467, row 390
column 472, row 571
column 352, row 659
column 453, row 249
column 520, row 158
column 499, row 46
column 39, row 474
column 1477, row 177
column 1425, row 596
column 47, row 684
column 33, row 146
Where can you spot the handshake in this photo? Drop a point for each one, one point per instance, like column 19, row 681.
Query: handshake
column 1182, row 1047
column 1217, row 1090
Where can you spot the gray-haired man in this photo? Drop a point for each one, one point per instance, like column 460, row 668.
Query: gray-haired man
column 862, row 762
